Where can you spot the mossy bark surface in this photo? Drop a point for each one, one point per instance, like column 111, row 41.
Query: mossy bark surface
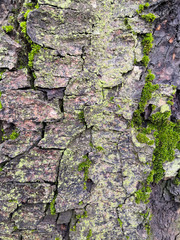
column 89, row 120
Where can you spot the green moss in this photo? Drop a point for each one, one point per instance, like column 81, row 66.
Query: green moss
column 147, row 218
column 29, row 5
column 166, row 139
column 120, row 222
column 143, row 194
column 15, row 228
column 142, row 7
column 23, row 26
column 177, row 179
column 150, row 178
column 147, row 43
column 73, row 228
column 34, row 47
column 111, row 98
column 170, row 102
column 153, row 107
column 150, row 17
column 145, row 60
column 8, row 28
column 135, row 61
column 91, row 145
column 26, row 13
column 0, row 101
column 37, row 6
column 52, row 206
column 119, row 106
column 1, row 74
column 142, row 138
column 81, row 116
column 14, row 135
column 127, row 24
column 34, row 50
column 84, row 215
column 81, row 202
column 84, row 166
column 146, row 95
column 89, row 234
column 99, row 148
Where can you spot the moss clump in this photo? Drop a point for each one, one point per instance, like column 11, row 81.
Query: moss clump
column 26, row 13
column 34, row 50
column 143, row 194
column 1, row 74
column 150, row 17
column 15, row 228
column 99, row 148
column 142, row 7
column 84, row 166
column 8, row 28
column 0, row 101
column 170, row 102
column 147, row 218
column 177, row 179
column 23, row 26
column 147, row 43
column 81, row 116
column 84, row 215
column 146, row 95
column 52, row 206
column 145, row 60
column 14, row 135
column 81, row 202
column 142, row 138
column 120, row 222
column 89, row 234
column 34, row 47
column 127, row 24
column 111, row 99
column 167, row 137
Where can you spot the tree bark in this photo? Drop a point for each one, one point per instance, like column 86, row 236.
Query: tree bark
column 89, row 119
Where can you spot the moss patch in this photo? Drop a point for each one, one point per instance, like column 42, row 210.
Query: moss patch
column 84, row 166
column 8, row 28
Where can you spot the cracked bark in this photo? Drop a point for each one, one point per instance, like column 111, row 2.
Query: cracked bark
column 81, row 103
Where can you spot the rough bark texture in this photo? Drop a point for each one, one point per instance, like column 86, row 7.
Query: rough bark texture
column 70, row 160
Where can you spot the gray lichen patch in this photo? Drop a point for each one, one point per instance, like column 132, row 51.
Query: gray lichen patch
column 58, row 29
column 15, row 80
column 60, row 134
column 8, row 51
column 53, row 71
column 36, row 166
column 33, row 103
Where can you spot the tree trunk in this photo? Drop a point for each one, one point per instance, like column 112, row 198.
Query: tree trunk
column 89, row 119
